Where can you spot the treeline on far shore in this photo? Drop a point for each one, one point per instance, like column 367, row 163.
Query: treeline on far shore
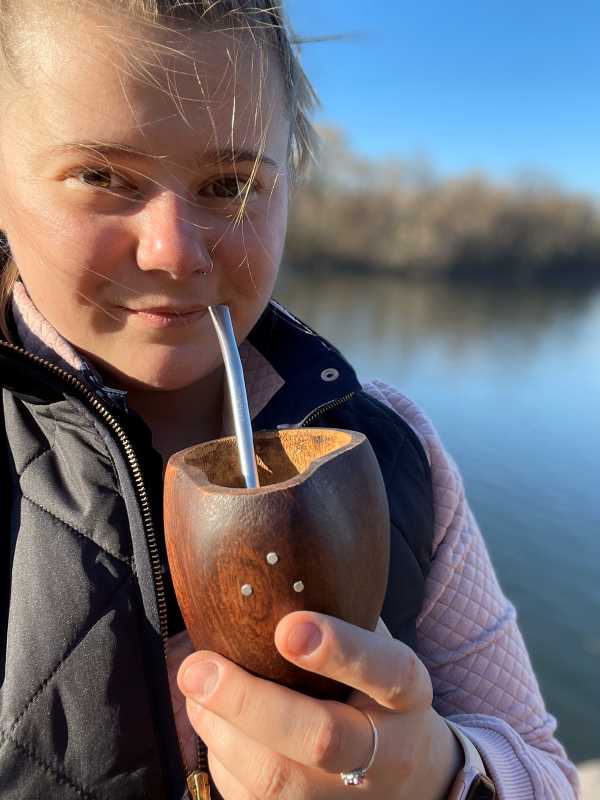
column 397, row 217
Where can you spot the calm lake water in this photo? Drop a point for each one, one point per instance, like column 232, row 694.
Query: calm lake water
column 511, row 379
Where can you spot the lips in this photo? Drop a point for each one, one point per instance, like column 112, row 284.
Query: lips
column 164, row 316
column 171, row 310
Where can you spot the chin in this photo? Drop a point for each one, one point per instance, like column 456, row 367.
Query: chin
column 149, row 373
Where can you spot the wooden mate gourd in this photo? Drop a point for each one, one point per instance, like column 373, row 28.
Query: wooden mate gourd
column 314, row 536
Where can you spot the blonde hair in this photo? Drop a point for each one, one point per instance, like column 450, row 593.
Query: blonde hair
column 264, row 19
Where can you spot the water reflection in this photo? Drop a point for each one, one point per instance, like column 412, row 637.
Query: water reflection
column 459, row 316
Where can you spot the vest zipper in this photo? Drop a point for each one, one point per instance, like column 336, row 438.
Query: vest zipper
column 322, row 410
column 198, row 784
column 197, row 779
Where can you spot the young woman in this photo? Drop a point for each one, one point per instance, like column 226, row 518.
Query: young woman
column 147, row 154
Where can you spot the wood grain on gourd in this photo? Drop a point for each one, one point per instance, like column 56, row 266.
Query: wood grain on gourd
column 321, row 507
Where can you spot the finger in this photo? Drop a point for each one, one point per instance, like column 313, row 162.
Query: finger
column 229, row 787
column 385, row 669
column 261, row 771
column 321, row 734
column 267, row 775
column 306, row 783
column 357, row 698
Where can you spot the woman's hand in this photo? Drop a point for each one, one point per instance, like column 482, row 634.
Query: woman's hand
column 266, row 741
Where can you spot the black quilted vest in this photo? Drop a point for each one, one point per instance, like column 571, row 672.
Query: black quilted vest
column 84, row 700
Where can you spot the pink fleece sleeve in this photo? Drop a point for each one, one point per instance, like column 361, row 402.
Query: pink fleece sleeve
column 467, row 636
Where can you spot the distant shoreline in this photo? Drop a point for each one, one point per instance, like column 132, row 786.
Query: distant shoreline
column 567, row 277
column 397, row 217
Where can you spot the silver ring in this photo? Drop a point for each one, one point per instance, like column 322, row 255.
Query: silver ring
column 357, row 776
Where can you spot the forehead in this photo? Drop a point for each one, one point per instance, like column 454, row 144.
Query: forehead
column 159, row 89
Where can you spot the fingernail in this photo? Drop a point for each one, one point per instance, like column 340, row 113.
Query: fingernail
column 303, row 639
column 200, row 679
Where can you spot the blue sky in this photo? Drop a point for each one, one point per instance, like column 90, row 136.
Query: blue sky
column 503, row 87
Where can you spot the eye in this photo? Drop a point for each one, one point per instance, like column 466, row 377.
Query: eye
column 230, row 187
column 101, row 178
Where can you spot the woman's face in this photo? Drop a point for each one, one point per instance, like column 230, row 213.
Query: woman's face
column 119, row 192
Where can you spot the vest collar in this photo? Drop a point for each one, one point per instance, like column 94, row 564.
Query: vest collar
column 315, row 372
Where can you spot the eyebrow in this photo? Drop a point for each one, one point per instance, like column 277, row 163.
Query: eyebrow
column 205, row 158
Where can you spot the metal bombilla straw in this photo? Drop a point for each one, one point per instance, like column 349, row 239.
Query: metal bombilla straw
column 237, row 393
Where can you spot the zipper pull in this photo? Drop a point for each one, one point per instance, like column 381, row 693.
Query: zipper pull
column 198, row 785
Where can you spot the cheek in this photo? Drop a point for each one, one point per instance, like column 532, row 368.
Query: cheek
column 258, row 250
column 248, row 272
column 76, row 252
column 69, row 268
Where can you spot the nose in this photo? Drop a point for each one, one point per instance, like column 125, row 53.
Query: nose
column 173, row 238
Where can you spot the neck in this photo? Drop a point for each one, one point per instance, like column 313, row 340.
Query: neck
column 184, row 417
